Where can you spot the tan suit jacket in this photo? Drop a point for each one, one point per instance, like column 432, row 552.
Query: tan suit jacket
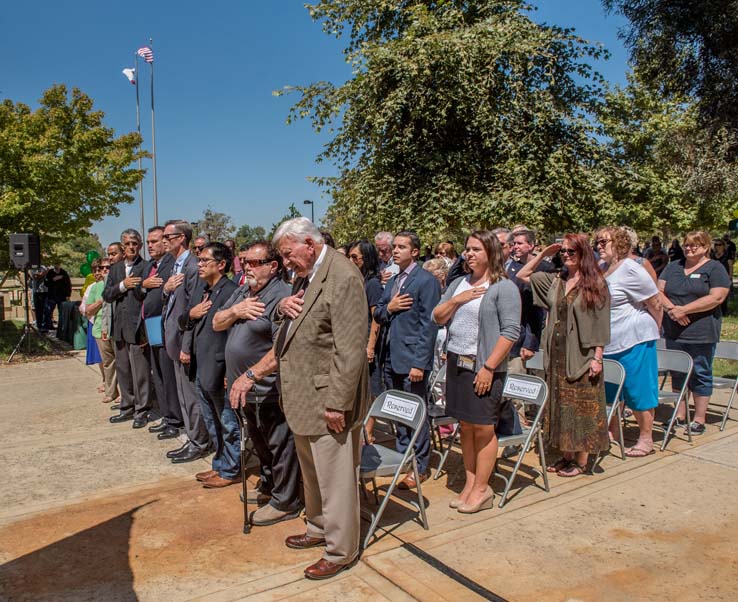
column 323, row 363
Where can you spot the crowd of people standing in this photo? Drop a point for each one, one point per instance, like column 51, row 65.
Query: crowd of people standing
column 299, row 338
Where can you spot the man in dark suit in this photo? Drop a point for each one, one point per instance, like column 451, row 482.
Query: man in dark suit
column 178, row 291
column 207, row 365
column 405, row 311
column 158, row 271
column 132, row 362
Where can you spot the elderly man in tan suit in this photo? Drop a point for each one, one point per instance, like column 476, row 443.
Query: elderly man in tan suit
column 323, row 379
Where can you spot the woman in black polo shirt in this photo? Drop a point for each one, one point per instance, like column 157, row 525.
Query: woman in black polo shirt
column 692, row 290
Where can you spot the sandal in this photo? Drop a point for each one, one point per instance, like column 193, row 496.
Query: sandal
column 638, row 452
column 560, row 464
column 573, row 470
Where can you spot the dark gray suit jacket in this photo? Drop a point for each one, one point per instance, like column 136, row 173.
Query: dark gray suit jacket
column 173, row 335
column 208, row 346
column 126, row 306
column 154, row 300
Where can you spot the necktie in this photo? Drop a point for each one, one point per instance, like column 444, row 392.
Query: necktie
column 242, row 280
column 399, row 281
column 300, row 284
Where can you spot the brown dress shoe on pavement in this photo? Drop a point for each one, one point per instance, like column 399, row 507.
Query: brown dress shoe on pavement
column 217, row 481
column 409, row 481
column 204, row 476
column 324, row 569
column 303, row 541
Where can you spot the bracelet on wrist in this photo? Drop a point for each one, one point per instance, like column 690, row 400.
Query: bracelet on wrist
column 486, row 367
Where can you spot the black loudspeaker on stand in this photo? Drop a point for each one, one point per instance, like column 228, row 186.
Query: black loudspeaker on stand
column 25, row 254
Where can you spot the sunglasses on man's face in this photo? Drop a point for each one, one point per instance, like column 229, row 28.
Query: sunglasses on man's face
column 255, row 263
column 171, row 236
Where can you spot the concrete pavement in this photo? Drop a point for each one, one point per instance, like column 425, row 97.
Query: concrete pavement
column 93, row 511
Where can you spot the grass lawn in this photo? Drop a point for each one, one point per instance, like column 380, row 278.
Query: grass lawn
column 41, row 347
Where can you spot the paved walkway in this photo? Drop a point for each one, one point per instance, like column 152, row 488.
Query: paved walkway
column 93, row 511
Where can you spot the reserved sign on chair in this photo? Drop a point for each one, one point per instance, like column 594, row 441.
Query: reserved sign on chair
column 518, row 387
column 402, row 408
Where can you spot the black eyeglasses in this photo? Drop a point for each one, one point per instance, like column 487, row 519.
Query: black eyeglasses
column 199, row 248
column 103, row 267
column 206, row 260
column 602, row 242
column 171, row 236
column 255, row 263
column 568, row 252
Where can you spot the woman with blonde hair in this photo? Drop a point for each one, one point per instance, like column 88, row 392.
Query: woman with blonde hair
column 635, row 319
column 692, row 290
column 641, row 261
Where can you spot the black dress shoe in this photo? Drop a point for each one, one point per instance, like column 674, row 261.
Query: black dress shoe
column 159, row 428
column 180, row 450
column 115, row 406
column 121, row 418
column 171, row 432
column 190, row 455
column 140, row 421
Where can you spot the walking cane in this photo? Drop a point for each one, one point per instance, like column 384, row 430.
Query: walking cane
column 244, row 459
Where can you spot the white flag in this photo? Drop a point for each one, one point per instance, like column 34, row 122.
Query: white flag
column 131, row 75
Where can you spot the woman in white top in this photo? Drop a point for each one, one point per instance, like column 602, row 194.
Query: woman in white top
column 635, row 320
column 482, row 312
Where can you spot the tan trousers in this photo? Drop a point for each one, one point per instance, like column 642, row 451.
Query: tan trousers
column 330, row 473
column 107, row 352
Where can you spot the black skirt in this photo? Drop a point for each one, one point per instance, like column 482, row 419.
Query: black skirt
column 464, row 404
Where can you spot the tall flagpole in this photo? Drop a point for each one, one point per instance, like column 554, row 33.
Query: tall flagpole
column 140, row 166
column 153, row 137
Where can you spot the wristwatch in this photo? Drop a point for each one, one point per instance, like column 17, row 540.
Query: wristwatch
column 250, row 375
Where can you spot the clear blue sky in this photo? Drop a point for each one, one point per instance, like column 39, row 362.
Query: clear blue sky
column 221, row 135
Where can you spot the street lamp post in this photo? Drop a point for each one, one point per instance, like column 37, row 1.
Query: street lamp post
column 312, row 209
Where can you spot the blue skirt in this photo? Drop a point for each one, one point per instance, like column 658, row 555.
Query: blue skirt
column 93, row 353
column 641, row 387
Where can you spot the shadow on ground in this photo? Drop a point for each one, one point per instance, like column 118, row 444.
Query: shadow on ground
column 89, row 565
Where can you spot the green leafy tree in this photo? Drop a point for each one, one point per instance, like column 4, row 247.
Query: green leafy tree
column 72, row 253
column 246, row 234
column 459, row 114
column 687, row 48
column 61, row 169
column 215, row 225
column 292, row 212
column 666, row 172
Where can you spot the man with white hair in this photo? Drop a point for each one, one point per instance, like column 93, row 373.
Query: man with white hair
column 324, row 389
column 387, row 267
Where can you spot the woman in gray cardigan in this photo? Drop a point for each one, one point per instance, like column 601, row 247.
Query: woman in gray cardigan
column 577, row 330
column 482, row 311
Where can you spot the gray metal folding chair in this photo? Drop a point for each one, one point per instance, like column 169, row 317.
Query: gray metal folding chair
column 529, row 390
column 726, row 350
column 438, row 418
column 670, row 360
column 536, row 362
column 379, row 461
column 614, row 375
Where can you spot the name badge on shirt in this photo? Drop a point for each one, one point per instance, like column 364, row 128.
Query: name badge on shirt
column 695, row 275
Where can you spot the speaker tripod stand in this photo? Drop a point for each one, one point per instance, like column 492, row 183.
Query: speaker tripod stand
column 28, row 329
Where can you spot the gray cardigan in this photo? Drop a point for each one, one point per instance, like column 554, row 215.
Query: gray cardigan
column 499, row 315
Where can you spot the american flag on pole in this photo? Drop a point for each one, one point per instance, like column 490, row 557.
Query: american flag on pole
column 146, row 54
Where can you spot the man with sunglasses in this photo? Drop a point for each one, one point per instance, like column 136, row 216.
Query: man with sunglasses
column 132, row 359
column 178, row 291
column 251, row 376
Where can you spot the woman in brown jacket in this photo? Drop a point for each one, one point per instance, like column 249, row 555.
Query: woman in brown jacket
column 577, row 329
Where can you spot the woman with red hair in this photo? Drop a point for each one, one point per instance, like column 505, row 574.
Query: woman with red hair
column 577, row 330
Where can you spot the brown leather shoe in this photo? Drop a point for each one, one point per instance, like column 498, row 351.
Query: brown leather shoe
column 217, row 481
column 409, row 481
column 303, row 541
column 204, row 476
column 324, row 569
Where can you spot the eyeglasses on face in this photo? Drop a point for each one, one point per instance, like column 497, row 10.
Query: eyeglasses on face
column 205, row 260
column 171, row 236
column 199, row 248
column 103, row 267
column 568, row 252
column 602, row 242
column 255, row 263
